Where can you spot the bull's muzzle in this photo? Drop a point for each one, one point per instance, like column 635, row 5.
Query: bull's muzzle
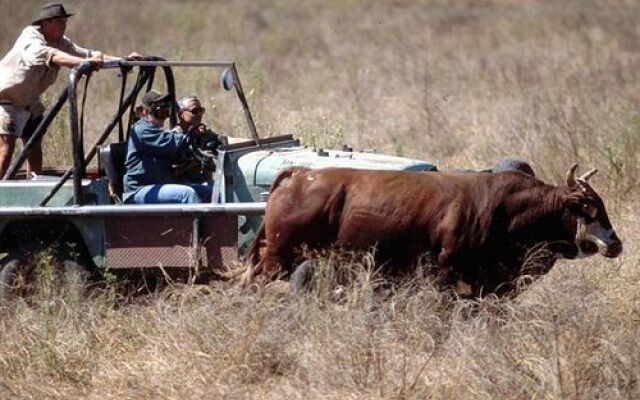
column 611, row 247
column 614, row 249
column 594, row 238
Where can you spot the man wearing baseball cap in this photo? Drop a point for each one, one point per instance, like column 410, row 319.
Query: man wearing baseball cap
column 30, row 67
column 151, row 154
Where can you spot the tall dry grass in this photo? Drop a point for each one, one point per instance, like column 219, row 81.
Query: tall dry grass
column 460, row 83
column 572, row 335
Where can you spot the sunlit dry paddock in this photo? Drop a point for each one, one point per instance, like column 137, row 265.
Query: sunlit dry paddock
column 457, row 83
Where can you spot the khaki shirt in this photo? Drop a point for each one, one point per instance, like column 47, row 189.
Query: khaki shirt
column 27, row 71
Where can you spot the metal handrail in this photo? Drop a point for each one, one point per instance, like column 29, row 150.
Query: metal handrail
column 166, row 63
column 79, row 161
column 254, row 208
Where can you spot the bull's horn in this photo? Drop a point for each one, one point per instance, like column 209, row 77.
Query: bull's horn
column 571, row 176
column 584, row 185
column 588, row 175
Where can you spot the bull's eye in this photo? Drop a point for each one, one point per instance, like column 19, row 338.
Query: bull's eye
column 589, row 210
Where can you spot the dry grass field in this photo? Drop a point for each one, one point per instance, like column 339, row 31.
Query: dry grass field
column 460, row 83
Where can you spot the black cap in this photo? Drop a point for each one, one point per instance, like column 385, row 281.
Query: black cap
column 153, row 99
column 51, row 11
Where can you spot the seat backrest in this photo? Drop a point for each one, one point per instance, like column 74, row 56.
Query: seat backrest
column 111, row 159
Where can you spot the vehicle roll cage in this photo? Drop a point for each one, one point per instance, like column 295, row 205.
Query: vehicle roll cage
column 146, row 74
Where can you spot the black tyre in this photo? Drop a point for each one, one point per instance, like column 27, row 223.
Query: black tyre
column 13, row 278
column 300, row 279
column 20, row 276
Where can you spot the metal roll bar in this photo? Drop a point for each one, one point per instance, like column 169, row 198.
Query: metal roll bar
column 222, row 64
column 79, row 162
column 70, row 93
column 126, row 103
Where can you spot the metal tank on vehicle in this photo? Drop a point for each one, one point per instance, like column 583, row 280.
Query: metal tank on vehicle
column 253, row 172
column 259, row 168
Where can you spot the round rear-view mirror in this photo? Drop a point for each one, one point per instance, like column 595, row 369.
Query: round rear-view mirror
column 226, row 79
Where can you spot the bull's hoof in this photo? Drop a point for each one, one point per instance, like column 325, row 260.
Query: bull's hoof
column 301, row 278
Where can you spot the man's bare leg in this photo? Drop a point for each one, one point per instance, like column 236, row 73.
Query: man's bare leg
column 7, row 144
column 34, row 159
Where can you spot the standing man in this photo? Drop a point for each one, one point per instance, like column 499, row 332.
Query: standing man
column 151, row 154
column 30, row 67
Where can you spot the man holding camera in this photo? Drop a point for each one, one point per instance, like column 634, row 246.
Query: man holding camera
column 204, row 140
column 190, row 113
column 152, row 153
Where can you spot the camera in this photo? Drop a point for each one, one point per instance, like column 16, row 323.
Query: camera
column 204, row 139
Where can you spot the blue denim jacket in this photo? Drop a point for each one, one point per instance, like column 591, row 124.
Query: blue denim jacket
column 151, row 151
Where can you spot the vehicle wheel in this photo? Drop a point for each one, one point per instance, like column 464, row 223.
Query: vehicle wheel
column 301, row 278
column 19, row 276
column 13, row 278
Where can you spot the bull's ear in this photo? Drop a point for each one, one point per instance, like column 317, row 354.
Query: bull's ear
column 574, row 200
column 571, row 176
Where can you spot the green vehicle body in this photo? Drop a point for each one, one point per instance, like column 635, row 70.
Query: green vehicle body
column 112, row 239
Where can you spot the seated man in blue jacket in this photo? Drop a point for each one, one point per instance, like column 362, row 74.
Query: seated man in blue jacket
column 151, row 153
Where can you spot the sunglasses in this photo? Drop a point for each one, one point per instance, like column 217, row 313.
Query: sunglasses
column 197, row 110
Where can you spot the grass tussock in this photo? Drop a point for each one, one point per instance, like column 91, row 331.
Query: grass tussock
column 459, row 83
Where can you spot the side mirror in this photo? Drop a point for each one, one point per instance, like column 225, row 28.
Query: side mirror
column 226, row 79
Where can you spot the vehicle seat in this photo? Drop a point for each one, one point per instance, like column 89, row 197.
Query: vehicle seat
column 111, row 159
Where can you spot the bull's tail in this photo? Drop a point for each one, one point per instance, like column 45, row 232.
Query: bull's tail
column 252, row 259
column 253, row 253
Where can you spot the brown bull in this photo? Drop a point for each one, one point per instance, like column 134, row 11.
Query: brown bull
column 477, row 226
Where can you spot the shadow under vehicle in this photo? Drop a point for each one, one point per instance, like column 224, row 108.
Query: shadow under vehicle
column 73, row 214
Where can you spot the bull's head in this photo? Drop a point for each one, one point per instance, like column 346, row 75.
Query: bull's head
column 594, row 232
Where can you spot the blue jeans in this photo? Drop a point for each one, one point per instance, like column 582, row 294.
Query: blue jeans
column 170, row 193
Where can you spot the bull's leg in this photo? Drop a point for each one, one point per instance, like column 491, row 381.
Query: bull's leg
column 277, row 258
column 451, row 275
column 264, row 271
column 444, row 256
column 448, row 236
column 272, row 266
column 288, row 226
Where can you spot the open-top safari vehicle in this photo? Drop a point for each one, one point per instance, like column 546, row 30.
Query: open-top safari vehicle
column 72, row 214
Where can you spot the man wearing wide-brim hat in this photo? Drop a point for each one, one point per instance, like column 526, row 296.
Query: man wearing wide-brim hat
column 30, row 67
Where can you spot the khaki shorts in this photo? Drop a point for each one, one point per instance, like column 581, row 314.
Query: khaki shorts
column 13, row 119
